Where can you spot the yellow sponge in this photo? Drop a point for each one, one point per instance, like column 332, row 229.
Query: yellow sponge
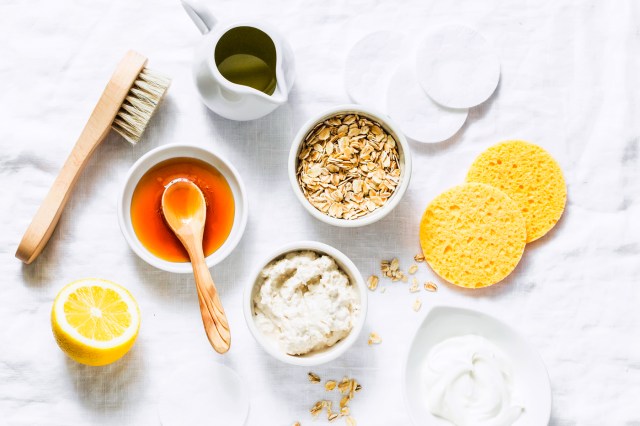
column 473, row 235
column 529, row 175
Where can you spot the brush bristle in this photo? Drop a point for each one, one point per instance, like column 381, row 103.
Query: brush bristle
column 140, row 104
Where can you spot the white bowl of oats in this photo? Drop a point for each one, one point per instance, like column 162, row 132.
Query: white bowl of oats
column 349, row 166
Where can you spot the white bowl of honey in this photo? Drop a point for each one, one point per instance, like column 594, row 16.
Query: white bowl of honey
column 140, row 212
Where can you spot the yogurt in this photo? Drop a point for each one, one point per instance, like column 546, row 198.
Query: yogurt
column 469, row 381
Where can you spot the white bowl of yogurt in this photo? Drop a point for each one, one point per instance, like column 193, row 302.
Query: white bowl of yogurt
column 468, row 368
column 306, row 303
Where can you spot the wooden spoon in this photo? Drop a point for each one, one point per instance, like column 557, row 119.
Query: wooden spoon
column 184, row 209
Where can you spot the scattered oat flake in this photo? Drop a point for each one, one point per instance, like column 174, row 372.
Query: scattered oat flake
column 344, row 411
column 374, row 339
column 330, row 385
column 414, row 286
column 430, row 286
column 417, row 305
column 419, row 258
column 413, row 269
column 317, row 408
column 372, row 282
column 395, row 264
column 344, row 385
column 297, row 424
column 350, row 421
column 332, row 416
column 354, row 384
column 313, row 377
column 344, row 401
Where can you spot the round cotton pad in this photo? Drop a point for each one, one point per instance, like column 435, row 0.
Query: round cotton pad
column 473, row 235
column 530, row 176
column 204, row 393
column 457, row 67
column 370, row 64
column 419, row 116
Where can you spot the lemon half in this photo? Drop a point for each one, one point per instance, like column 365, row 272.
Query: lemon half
column 95, row 322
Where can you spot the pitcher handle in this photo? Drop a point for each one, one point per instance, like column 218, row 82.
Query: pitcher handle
column 200, row 15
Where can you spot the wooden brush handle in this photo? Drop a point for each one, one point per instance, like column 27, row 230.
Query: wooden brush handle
column 213, row 317
column 94, row 132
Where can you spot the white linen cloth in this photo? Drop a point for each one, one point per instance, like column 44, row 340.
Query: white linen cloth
column 570, row 82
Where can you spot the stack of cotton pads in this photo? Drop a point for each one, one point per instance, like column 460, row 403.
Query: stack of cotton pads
column 427, row 89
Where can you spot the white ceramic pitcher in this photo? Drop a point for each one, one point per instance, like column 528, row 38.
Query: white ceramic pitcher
column 224, row 97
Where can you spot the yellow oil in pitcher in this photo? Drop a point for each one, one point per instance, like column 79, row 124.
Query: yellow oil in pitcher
column 247, row 56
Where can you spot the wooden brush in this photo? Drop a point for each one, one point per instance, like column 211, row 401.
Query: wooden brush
column 126, row 106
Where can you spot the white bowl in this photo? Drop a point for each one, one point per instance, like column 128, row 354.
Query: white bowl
column 403, row 151
column 531, row 380
column 167, row 152
column 316, row 357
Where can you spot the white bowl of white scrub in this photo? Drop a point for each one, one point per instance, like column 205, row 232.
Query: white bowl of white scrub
column 307, row 303
column 468, row 368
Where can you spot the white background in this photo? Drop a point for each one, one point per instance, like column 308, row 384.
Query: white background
column 570, row 82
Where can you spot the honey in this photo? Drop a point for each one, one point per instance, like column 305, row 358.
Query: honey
column 146, row 207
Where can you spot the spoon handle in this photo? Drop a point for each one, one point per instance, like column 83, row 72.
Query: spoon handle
column 213, row 317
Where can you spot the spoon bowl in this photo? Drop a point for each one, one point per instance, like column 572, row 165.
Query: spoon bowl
column 183, row 204
column 185, row 211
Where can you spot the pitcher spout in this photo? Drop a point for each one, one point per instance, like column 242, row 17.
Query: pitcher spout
column 280, row 95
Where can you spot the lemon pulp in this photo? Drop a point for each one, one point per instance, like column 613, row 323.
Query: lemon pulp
column 97, row 313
